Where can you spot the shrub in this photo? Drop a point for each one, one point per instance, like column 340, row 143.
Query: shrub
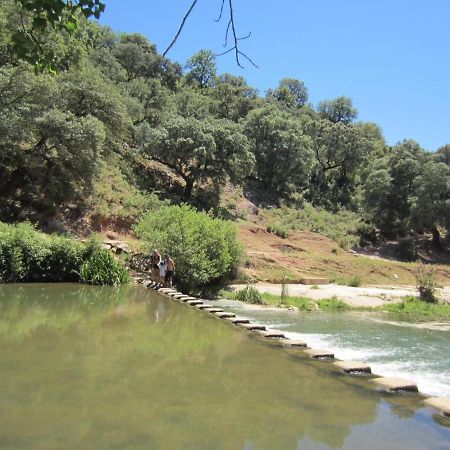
column 354, row 281
column 250, row 295
column 102, row 268
column 426, row 283
column 29, row 255
column 204, row 249
column 406, row 249
column 278, row 230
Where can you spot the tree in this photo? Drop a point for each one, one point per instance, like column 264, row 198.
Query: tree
column 338, row 110
column 291, row 92
column 282, row 149
column 233, row 97
column 430, row 202
column 202, row 69
column 38, row 18
column 197, row 150
column 389, row 188
column 339, row 150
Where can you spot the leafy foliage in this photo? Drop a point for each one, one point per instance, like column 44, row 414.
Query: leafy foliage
column 426, row 283
column 250, row 295
column 204, row 249
column 28, row 255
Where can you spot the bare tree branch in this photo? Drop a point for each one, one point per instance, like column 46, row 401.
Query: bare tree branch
column 181, row 27
column 237, row 53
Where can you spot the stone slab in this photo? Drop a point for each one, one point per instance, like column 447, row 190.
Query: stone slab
column 254, row 326
column 353, row 367
column 194, row 302
column 215, row 310
column 204, row 306
column 238, row 320
column 224, row 315
column 167, row 290
column 313, row 281
column 292, row 343
column 180, row 296
column 273, row 334
column 186, row 298
column 319, row 353
column 172, row 294
column 440, row 403
column 392, row 384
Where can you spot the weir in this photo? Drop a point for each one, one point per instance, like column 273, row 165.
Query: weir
column 387, row 384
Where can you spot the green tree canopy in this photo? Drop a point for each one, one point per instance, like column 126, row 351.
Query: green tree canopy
column 338, row 110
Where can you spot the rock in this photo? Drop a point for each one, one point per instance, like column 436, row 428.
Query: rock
column 353, row 367
column 106, row 246
column 194, row 302
column 112, row 235
column 185, row 299
column 273, row 334
column 292, row 343
column 173, row 293
column 122, row 247
column 224, row 315
column 205, row 306
column 392, row 384
column 181, row 296
column 254, row 326
column 167, row 291
column 215, row 310
column 440, row 403
column 319, row 353
column 238, row 320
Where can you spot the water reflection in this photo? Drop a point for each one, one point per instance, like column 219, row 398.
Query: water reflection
column 83, row 367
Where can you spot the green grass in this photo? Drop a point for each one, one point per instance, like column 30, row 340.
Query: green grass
column 302, row 303
column 413, row 306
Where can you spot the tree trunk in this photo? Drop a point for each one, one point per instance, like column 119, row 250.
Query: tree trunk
column 436, row 237
column 188, row 189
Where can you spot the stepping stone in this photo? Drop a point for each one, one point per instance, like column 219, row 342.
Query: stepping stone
column 292, row 343
column 319, row 353
column 194, row 302
column 186, row 298
column 392, row 384
column 172, row 294
column 254, row 326
column 149, row 285
column 238, row 320
column 273, row 334
column 215, row 310
column 180, row 296
column 440, row 403
column 203, row 306
column 166, row 290
column 224, row 315
column 353, row 367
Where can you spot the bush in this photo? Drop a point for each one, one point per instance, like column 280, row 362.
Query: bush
column 250, row 295
column 406, row 249
column 102, row 268
column 204, row 249
column 426, row 283
column 29, row 255
column 354, row 281
column 278, row 230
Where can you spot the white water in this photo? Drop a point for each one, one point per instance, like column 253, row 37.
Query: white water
column 414, row 351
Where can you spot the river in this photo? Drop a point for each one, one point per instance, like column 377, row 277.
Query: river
column 85, row 367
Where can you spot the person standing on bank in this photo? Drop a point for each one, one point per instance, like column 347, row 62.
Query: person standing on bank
column 155, row 260
column 170, row 271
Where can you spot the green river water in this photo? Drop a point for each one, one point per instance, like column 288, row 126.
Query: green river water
column 84, row 367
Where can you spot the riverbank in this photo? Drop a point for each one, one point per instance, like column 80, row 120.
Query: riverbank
column 370, row 297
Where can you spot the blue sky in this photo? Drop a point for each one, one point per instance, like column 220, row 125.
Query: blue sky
column 391, row 57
